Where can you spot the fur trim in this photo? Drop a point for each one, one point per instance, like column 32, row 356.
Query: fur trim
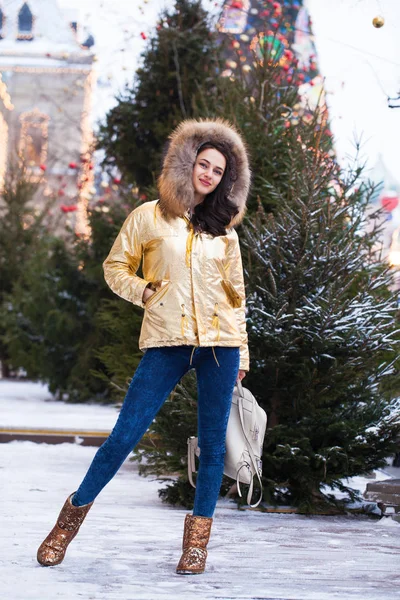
column 175, row 182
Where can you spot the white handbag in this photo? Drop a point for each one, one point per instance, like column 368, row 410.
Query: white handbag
column 244, row 441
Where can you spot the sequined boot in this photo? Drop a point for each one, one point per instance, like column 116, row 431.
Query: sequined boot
column 195, row 539
column 52, row 550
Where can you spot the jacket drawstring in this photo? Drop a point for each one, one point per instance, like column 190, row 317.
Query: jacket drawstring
column 191, row 356
column 194, row 348
column 184, row 320
column 215, row 355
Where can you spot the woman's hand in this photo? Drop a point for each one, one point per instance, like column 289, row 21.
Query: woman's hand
column 241, row 374
column 147, row 294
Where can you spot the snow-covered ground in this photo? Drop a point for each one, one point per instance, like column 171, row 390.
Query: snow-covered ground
column 31, row 405
column 129, row 545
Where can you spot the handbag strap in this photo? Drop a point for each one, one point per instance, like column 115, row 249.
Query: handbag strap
column 253, row 458
column 191, row 460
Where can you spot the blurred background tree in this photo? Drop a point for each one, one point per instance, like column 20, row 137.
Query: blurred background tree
column 56, row 311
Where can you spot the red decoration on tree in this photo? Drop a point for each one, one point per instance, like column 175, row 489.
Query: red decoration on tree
column 42, row 167
column 67, row 209
column 389, row 203
column 72, row 165
column 143, row 35
column 117, row 180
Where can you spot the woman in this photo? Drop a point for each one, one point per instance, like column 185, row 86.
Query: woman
column 193, row 297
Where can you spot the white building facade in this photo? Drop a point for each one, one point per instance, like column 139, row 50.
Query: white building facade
column 46, row 84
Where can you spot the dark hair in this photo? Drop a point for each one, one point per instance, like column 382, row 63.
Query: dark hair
column 216, row 211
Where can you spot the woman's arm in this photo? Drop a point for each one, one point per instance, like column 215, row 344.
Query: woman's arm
column 123, row 261
column 234, row 270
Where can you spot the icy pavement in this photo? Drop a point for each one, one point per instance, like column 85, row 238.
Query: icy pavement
column 129, row 544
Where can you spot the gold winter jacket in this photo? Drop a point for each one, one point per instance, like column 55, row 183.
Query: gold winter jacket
column 200, row 298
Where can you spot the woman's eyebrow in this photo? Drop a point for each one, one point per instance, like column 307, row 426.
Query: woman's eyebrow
column 216, row 166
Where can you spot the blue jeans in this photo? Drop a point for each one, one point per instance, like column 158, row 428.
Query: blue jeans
column 157, row 374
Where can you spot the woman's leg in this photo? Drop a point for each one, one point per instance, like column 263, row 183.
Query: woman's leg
column 215, row 388
column 156, row 376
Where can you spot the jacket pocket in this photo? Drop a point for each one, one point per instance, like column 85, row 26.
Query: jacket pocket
column 158, row 294
column 232, row 295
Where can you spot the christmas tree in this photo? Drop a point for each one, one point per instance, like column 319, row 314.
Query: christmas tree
column 322, row 332
column 321, row 317
column 180, row 57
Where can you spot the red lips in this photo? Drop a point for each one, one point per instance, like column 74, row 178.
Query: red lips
column 205, row 182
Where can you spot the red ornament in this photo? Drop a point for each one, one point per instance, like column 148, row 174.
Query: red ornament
column 389, row 203
column 237, row 4
column 42, row 167
column 67, row 209
column 91, row 166
column 117, row 180
column 142, row 197
column 143, row 35
column 72, row 165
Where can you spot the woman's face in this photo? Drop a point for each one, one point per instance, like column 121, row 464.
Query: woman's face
column 208, row 171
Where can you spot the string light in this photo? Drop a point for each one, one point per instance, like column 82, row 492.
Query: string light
column 86, row 179
column 3, row 150
column 5, row 96
column 46, row 69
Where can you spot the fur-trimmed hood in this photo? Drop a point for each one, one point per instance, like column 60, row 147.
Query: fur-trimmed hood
column 175, row 182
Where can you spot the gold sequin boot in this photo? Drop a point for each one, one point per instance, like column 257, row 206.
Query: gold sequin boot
column 52, row 551
column 195, row 539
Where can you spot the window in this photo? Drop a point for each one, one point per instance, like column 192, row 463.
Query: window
column 2, row 22
column 33, row 140
column 25, row 23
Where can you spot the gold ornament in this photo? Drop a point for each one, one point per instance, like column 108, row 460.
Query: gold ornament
column 378, row 22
